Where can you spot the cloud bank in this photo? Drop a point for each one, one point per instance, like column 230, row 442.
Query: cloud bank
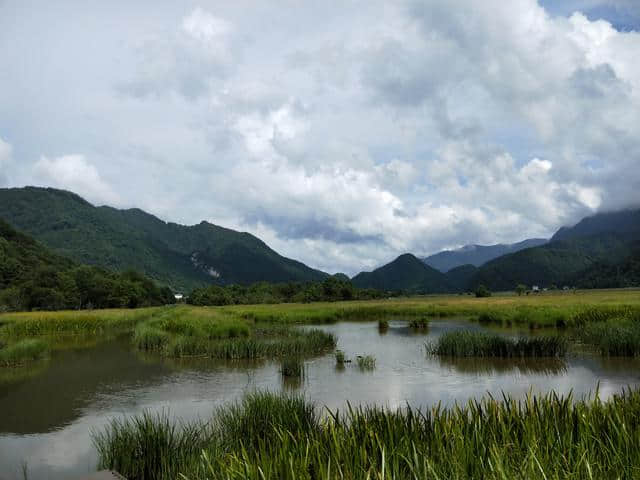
column 343, row 134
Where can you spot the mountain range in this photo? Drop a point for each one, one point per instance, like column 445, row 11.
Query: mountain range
column 599, row 251
column 477, row 255
column 181, row 257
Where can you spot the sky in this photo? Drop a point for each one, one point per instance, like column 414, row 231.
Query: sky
column 342, row 133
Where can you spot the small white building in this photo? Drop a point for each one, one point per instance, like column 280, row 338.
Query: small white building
column 178, row 297
column 535, row 288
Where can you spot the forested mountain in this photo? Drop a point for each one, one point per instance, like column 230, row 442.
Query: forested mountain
column 406, row 273
column 625, row 222
column 459, row 277
column 182, row 257
column 601, row 251
column 623, row 274
column 32, row 277
column 477, row 255
column 596, row 244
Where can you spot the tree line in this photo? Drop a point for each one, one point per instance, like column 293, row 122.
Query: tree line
column 331, row 289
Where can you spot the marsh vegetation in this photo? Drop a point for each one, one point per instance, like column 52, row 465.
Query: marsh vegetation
column 270, row 436
column 521, row 343
column 465, row 343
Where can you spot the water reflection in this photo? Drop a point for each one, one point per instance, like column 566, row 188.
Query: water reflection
column 491, row 366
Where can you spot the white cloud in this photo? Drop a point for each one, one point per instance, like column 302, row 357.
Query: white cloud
column 75, row 173
column 190, row 61
column 5, row 162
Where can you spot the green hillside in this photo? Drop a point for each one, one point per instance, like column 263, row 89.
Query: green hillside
column 182, row 257
column 32, row 277
column 406, row 273
column 459, row 277
column 622, row 274
column 625, row 222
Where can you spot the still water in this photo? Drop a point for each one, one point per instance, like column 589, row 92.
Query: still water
column 47, row 414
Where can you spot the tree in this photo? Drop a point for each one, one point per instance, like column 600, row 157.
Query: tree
column 520, row 289
column 482, row 291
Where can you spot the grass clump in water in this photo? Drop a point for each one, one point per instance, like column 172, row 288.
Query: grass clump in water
column 419, row 323
column 383, row 325
column 292, row 367
column 151, row 446
column 341, row 358
column 366, row 362
column 22, row 352
column 271, row 437
column 614, row 338
column 464, row 343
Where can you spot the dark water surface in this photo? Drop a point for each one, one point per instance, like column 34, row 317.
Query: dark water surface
column 48, row 412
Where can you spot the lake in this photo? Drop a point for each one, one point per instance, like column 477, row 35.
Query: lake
column 48, row 411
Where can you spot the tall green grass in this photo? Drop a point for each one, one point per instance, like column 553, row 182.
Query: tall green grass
column 81, row 322
column 295, row 342
column 465, row 343
column 617, row 338
column 151, row 446
column 22, row 352
column 292, row 367
column 269, row 436
column 146, row 337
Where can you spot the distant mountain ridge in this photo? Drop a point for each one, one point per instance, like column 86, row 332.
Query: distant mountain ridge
column 182, row 257
column 599, row 251
column 477, row 255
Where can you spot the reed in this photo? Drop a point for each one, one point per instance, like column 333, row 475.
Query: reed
column 148, row 338
column 614, row 338
column 465, row 343
column 383, row 325
column 419, row 323
column 297, row 343
column 341, row 358
column 93, row 322
column 269, row 436
column 150, row 446
column 292, row 367
column 366, row 362
column 22, row 352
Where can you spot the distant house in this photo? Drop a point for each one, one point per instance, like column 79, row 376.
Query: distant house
column 179, row 297
column 535, row 288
